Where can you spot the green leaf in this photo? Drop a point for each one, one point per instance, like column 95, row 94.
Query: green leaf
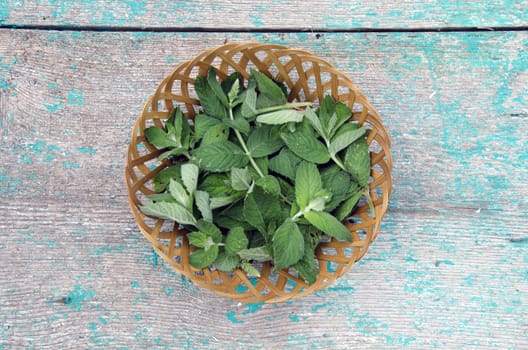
column 240, row 179
column 216, row 87
column 161, row 180
column 250, row 269
column 210, row 230
column 307, row 184
column 220, row 191
column 346, row 207
column 200, row 239
column 159, row 138
column 258, row 254
column 189, row 174
column 233, row 92
column 216, row 133
column 203, row 204
column 218, row 202
column 227, row 83
column 306, row 146
column 202, row 123
column 263, row 164
column 249, row 105
column 343, row 114
column 357, row 161
column 220, row 156
column 328, row 224
column 343, row 139
column 315, row 122
column 263, row 141
column 285, row 163
column 253, row 214
column 281, row 117
column 212, row 105
column 269, row 89
column 226, row 263
column 236, row 240
column 161, row 197
column 337, row 182
column 326, row 110
column 269, row 184
column 239, row 124
column 202, row 258
column 169, row 211
column 308, row 266
column 178, row 192
column 288, row 245
column 182, row 130
column 225, row 221
column 171, row 153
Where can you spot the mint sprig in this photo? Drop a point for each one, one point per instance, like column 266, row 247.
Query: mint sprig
column 257, row 178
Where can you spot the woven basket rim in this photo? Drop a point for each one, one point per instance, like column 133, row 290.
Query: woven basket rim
column 264, row 289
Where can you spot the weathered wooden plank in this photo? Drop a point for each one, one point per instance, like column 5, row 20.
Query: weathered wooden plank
column 448, row 269
column 266, row 14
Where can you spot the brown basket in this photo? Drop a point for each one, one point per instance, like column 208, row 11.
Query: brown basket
column 309, row 78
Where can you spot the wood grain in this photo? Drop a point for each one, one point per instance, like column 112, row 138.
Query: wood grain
column 248, row 15
column 447, row 271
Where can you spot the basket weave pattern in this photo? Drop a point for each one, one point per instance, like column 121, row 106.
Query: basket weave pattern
column 308, row 78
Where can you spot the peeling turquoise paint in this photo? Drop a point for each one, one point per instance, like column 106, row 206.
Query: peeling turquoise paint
column 135, row 285
column 86, row 150
column 168, row 290
column 4, row 12
column 53, row 107
column 231, row 316
column 78, row 297
column 70, row 165
column 252, row 308
column 75, row 97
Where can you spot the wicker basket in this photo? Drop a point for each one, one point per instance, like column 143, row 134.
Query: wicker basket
column 309, row 78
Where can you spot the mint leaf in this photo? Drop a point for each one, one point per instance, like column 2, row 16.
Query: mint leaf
column 161, row 197
column 210, row 230
column 285, row 163
column 240, row 179
column 159, row 138
column 272, row 93
column 343, row 139
column 200, row 239
column 182, row 130
column 345, row 209
column 227, row 83
column 326, row 110
column 357, row 161
column 308, row 266
column 220, row 156
column 236, row 240
column 288, row 245
column 249, row 104
column 202, row 123
column 226, row 262
column 212, row 105
column 315, row 122
column 263, row 164
column 189, row 175
column 263, row 141
column 169, row 211
column 328, row 224
column 233, row 93
column 269, row 184
column 203, row 204
column 216, row 133
column 161, row 180
column 239, row 124
column 306, row 146
column 202, row 258
column 227, row 222
column 281, row 117
column 216, row 87
column 249, row 269
column 178, row 192
column 171, row 153
column 343, row 114
column 337, row 182
column 253, row 214
column 258, row 254
column 307, row 184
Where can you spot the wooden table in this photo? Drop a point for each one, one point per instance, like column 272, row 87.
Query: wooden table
column 450, row 267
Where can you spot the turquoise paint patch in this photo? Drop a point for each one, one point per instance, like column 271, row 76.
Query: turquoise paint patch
column 231, row 316
column 294, row 318
column 86, row 150
column 53, row 107
column 138, row 317
column 168, row 290
column 76, row 97
column 252, row 308
column 70, row 165
column 107, row 249
column 170, row 59
column 79, row 296
column 74, row 67
column 317, row 307
column 4, row 12
column 135, row 285
column 444, row 262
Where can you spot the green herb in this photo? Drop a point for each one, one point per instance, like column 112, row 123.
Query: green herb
column 257, row 178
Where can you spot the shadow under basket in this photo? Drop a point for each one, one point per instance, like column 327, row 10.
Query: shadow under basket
column 308, row 78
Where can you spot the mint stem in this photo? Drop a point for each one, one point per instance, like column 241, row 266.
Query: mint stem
column 284, row 106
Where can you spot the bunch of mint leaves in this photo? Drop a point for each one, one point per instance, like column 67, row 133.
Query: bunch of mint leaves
column 256, row 178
